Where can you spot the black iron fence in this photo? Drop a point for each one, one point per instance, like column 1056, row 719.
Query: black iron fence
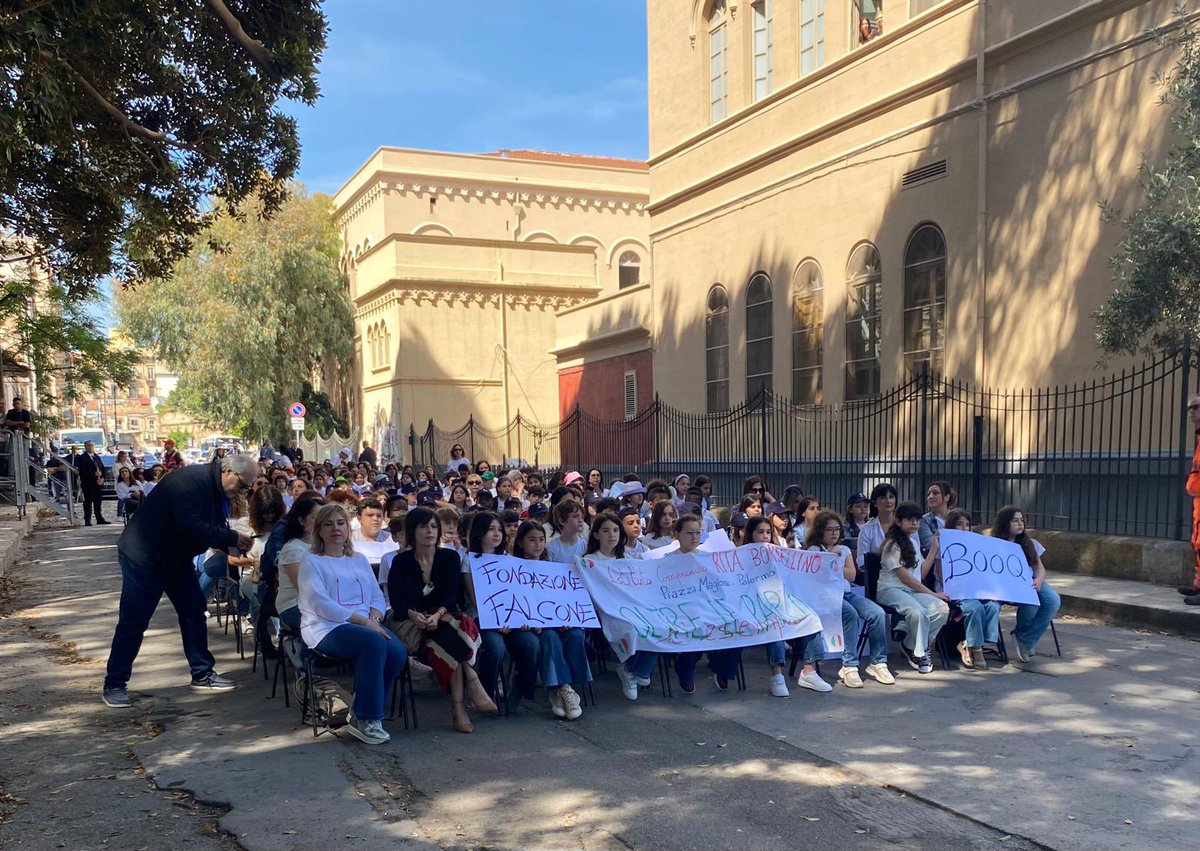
column 1106, row 456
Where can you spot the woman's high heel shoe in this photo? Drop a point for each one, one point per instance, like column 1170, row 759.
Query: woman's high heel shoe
column 479, row 696
column 460, row 719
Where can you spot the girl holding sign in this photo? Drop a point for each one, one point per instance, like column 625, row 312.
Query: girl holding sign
column 900, row 587
column 486, row 537
column 760, row 531
column 724, row 663
column 564, row 654
column 857, row 610
column 1032, row 621
column 981, row 617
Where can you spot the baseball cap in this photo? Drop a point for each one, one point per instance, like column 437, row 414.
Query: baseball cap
column 538, row 509
column 487, row 475
column 857, row 497
column 426, row 498
column 775, row 507
column 739, row 519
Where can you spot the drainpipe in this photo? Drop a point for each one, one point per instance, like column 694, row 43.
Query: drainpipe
column 981, row 232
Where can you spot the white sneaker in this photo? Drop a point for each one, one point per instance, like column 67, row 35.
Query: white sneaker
column 879, row 671
column 556, row 703
column 571, row 702
column 375, row 728
column 629, row 685
column 642, row 681
column 779, row 686
column 813, row 681
column 926, row 665
column 1023, row 653
column 849, row 678
column 361, row 730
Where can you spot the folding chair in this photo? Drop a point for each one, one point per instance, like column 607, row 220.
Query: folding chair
column 1003, row 648
column 402, row 691
column 873, row 565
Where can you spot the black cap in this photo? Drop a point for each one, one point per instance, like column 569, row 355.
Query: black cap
column 857, row 497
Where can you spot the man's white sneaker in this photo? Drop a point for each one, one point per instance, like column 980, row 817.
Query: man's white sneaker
column 629, row 685
column 813, row 681
column 556, row 703
column 571, row 702
column 849, row 678
column 779, row 686
column 880, row 673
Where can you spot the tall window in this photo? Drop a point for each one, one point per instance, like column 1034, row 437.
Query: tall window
column 863, row 285
column 372, row 351
column 716, row 349
column 925, row 299
column 718, row 71
column 629, row 269
column 759, row 335
column 763, row 47
column 916, row 7
column 808, row 317
column 867, row 17
column 812, row 35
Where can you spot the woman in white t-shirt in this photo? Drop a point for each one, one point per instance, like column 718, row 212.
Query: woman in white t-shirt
column 458, row 457
column 297, row 543
column 1032, row 621
column 900, row 587
column 341, row 610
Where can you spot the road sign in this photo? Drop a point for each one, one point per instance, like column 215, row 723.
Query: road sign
column 297, row 423
column 297, row 409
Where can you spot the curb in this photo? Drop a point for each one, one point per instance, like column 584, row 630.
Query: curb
column 12, row 536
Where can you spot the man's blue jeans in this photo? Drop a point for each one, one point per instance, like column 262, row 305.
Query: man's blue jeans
column 141, row 589
column 1033, row 621
column 377, row 663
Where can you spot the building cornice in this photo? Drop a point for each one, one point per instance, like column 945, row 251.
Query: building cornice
column 398, row 293
column 572, row 351
column 493, row 189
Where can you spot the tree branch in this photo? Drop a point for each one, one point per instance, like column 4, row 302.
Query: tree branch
column 257, row 50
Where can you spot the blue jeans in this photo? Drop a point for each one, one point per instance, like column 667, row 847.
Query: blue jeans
column 215, row 567
column 641, row 664
column 856, row 611
column 377, row 663
column 811, row 648
column 523, row 645
column 776, row 653
column 564, row 657
column 724, row 663
column 141, row 589
column 1033, row 621
column 981, row 621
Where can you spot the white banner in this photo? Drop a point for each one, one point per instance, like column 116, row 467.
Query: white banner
column 980, row 567
column 752, row 595
column 717, row 541
column 514, row 592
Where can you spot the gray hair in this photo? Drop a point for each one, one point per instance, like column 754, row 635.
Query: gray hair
column 245, row 466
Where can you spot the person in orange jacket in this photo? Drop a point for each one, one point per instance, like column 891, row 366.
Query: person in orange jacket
column 1192, row 593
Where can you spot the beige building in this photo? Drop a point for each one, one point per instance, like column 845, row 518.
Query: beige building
column 842, row 190
column 495, row 284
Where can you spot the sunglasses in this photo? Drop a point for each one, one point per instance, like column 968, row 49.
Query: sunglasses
column 758, row 490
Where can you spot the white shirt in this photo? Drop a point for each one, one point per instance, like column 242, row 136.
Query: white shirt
column 654, row 542
column 636, row 550
column 147, row 486
column 842, row 551
column 293, row 552
column 564, row 553
column 332, row 588
column 124, row 491
column 453, row 463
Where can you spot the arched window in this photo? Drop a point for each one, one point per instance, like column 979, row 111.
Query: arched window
column 385, row 344
column 863, row 285
column 925, row 299
column 763, row 13
column 812, row 35
column 629, row 269
column 716, row 349
column 808, row 317
column 371, row 346
column 718, row 68
column 759, row 335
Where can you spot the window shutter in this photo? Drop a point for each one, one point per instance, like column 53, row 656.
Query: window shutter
column 630, row 395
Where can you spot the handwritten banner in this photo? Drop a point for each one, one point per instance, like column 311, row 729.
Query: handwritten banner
column 716, row 541
column 711, row 600
column 514, row 592
column 979, row 567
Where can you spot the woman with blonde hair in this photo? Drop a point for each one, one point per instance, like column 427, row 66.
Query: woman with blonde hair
column 341, row 614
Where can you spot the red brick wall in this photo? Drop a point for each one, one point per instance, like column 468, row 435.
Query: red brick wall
column 599, row 387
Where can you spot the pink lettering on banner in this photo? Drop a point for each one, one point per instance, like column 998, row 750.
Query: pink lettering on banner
column 726, row 561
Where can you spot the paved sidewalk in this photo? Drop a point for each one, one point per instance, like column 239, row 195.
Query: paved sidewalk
column 1059, row 756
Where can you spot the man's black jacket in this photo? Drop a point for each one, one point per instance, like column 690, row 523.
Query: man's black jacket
column 182, row 517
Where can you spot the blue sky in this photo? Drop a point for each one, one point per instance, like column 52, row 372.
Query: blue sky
column 471, row 77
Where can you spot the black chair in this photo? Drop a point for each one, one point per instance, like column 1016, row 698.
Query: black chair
column 1003, row 648
column 402, row 690
column 872, row 565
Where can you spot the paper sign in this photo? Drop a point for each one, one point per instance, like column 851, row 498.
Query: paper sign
column 514, row 592
column 979, row 567
column 752, row 595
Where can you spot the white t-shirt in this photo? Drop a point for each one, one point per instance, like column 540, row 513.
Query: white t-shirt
column 655, row 542
column 454, row 463
column 637, row 549
column 293, row 552
column 842, row 551
column 890, row 564
column 563, row 553
column 147, row 486
column 332, row 588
